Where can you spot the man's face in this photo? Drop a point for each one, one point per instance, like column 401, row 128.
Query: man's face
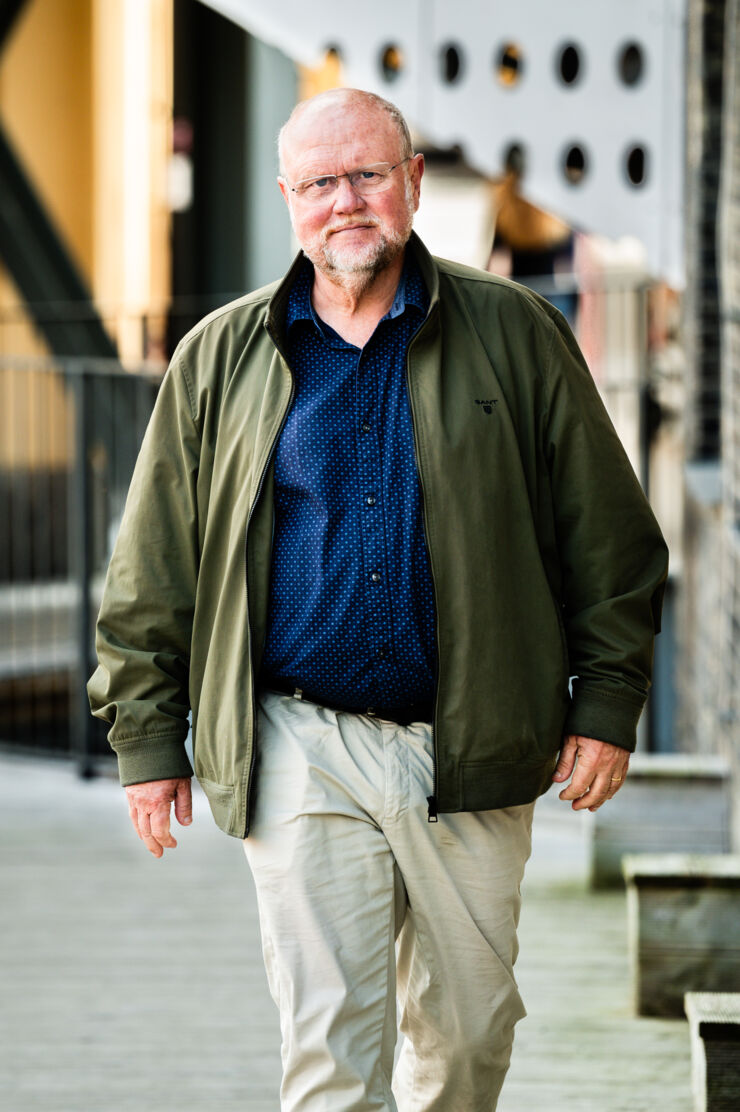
column 348, row 233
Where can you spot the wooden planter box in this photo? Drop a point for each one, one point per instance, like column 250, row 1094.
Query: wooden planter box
column 669, row 803
column 714, row 1018
column 684, row 928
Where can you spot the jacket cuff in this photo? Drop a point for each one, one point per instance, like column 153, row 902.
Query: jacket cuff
column 604, row 716
column 152, row 758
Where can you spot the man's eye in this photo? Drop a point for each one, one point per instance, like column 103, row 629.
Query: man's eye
column 320, row 183
column 369, row 175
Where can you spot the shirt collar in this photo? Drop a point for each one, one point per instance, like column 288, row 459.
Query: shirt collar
column 411, row 293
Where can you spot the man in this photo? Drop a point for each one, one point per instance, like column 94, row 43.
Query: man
column 379, row 519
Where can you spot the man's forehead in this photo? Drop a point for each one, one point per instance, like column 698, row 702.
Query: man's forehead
column 350, row 134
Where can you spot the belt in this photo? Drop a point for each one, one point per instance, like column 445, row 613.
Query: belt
column 404, row 716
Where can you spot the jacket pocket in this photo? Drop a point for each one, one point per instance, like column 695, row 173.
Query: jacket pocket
column 221, row 799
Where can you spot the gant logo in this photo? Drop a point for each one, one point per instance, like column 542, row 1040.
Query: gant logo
column 487, row 405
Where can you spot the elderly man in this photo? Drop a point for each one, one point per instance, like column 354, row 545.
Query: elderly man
column 380, row 519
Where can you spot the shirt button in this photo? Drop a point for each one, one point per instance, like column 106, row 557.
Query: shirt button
column 370, row 499
column 375, row 576
column 365, row 426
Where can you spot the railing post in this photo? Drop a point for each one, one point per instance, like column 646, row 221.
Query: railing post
column 80, row 571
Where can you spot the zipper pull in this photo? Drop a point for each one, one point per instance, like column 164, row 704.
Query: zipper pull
column 432, row 801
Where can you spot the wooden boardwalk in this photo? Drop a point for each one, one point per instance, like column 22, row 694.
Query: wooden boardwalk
column 133, row 984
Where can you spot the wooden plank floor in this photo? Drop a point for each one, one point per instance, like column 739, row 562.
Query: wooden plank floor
column 580, row 1049
column 133, row 984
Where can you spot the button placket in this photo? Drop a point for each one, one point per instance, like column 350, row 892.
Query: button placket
column 374, row 546
column 349, row 438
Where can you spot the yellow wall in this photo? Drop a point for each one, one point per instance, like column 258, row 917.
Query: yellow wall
column 86, row 101
column 46, row 111
column 46, row 107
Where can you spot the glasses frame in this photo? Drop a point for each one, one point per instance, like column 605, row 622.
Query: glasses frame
column 306, row 182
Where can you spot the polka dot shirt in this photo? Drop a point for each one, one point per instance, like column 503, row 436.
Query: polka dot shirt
column 351, row 611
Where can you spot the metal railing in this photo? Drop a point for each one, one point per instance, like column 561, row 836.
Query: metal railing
column 70, row 432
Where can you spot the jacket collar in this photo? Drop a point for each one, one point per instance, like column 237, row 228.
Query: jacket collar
column 277, row 306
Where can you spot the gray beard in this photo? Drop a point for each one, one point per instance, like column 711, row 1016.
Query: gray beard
column 358, row 274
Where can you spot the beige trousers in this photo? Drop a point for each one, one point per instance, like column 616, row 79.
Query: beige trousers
column 363, row 900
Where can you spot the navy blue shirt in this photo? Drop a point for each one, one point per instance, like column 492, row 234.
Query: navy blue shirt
column 351, row 612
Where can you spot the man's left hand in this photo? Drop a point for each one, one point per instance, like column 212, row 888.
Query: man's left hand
column 598, row 770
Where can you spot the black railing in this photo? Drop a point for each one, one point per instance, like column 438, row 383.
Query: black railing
column 70, row 433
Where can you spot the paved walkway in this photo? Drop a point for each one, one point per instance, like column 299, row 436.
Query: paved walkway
column 133, row 984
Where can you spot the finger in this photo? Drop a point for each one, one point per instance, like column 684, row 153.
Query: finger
column 153, row 845
column 134, row 816
column 133, row 811
column 583, row 778
column 184, row 803
column 577, row 789
column 615, row 782
column 160, row 825
column 597, row 796
column 142, row 825
column 567, row 759
column 606, row 785
column 154, row 841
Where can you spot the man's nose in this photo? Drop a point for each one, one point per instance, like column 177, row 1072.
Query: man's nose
column 346, row 199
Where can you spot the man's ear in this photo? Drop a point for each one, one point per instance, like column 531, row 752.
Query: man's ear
column 417, row 171
column 285, row 190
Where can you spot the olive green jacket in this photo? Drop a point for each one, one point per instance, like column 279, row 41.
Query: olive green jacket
column 546, row 559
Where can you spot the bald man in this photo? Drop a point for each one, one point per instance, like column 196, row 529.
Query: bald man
column 383, row 541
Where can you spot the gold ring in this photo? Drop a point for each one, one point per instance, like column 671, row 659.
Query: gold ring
column 616, row 779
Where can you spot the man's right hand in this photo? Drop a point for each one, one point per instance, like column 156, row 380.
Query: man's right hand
column 149, row 807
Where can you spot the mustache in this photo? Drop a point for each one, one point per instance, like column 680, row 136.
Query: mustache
column 369, row 222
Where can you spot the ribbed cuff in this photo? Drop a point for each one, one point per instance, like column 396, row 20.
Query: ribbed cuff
column 152, row 758
column 604, row 716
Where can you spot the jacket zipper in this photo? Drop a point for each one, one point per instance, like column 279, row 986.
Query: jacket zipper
column 432, row 800
column 268, row 461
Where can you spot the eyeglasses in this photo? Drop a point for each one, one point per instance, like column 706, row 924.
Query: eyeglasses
column 365, row 180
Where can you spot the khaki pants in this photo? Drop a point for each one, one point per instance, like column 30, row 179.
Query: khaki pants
column 363, row 900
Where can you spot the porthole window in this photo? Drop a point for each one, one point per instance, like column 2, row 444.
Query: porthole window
column 391, row 62
column 631, row 63
column 451, row 63
column 636, row 165
column 514, row 159
column 569, row 65
column 575, row 164
column 509, row 64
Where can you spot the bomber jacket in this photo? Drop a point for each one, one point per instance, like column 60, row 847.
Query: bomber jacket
column 548, row 565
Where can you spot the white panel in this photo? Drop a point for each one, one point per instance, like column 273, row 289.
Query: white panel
column 598, row 112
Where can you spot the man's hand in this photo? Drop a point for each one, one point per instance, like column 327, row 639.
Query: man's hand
column 600, row 769
column 149, row 807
